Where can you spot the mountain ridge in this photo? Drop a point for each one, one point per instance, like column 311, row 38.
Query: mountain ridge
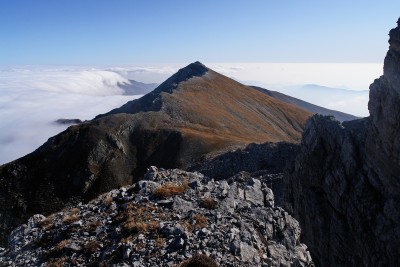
column 315, row 109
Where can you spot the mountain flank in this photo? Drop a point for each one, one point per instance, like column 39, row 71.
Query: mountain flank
column 340, row 116
column 192, row 114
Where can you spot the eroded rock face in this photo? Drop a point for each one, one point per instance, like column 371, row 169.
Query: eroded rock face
column 165, row 220
column 345, row 186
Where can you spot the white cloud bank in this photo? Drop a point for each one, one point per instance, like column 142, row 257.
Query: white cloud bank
column 32, row 98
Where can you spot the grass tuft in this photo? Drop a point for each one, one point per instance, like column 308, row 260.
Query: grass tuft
column 170, row 189
column 199, row 260
column 209, row 203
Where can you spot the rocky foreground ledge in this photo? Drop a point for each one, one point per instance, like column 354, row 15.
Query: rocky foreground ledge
column 171, row 218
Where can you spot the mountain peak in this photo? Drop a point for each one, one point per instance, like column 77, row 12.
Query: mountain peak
column 151, row 101
column 195, row 69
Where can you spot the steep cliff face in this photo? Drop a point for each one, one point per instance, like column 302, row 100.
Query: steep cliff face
column 345, row 185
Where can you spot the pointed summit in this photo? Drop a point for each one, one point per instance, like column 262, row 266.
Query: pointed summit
column 195, row 69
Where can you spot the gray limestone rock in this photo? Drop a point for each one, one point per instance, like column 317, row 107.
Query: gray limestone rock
column 142, row 230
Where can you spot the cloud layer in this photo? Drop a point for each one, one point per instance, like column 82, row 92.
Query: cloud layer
column 31, row 100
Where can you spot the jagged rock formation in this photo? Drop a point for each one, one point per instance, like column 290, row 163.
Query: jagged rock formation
column 264, row 161
column 195, row 112
column 345, row 186
column 272, row 158
column 340, row 116
column 165, row 220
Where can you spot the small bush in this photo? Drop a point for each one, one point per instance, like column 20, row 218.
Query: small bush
column 209, row 203
column 201, row 221
column 170, row 189
column 199, row 260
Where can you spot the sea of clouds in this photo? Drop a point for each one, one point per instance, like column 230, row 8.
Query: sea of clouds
column 32, row 98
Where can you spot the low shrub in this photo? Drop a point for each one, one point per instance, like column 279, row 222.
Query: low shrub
column 170, row 189
column 199, row 260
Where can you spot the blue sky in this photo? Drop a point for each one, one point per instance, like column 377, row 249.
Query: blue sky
column 151, row 31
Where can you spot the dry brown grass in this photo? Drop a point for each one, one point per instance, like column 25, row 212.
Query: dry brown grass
column 199, row 260
column 92, row 226
column 153, row 226
column 138, row 219
column 136, row 226
column 107, row 200
column 71, row 216
column 160, row 242
column 188, row 226
column 91, row 247
column 60, row 246
column 170, row 189
column 59, row 262
column 68, row 219
column 209, row 203
column 257, row 117
column 56, row 252
column 139, row 226
column 201, row 221
column 48, row 223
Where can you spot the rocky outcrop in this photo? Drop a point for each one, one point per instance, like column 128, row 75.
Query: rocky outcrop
column 270, row 157
column 345, row 186
column 165, row 220
column 265, row 161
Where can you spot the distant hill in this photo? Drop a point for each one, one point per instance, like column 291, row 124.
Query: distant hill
column 341, row 116
column 137, row 88
column 193, row 113
column 349, row 101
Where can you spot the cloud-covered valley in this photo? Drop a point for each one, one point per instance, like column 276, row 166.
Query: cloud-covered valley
column 31, row 100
